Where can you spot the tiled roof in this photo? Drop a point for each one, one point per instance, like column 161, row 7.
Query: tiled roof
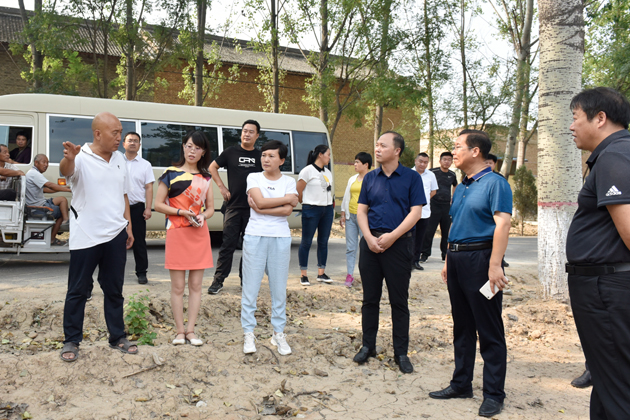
column 291, row 60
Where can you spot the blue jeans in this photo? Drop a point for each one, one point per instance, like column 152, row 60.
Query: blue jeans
column 353, row 234
column 274, row 254
column 314, row 218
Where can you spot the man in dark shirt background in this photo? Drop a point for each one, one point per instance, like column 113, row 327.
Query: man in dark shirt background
column 240, row 161
column 598, row 249
column 22, row 153
column 440, row 206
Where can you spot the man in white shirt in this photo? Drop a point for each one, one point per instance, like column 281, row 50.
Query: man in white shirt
column 37, row 185
column 429, row 182
column 100, row 232
column 140, row 195
column 7, row 172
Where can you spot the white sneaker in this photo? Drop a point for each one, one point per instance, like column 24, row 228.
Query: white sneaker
column 249, row 346
column 280, row 340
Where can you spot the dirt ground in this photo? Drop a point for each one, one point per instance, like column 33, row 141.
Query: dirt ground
column 318, row 381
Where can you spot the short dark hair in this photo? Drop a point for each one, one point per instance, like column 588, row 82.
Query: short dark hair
column 399, row 141
column 364, row 158
column 282, row 148
column 492, row 157
column 252, row 122
column 449, row 154
column 423, row 154
column 132, row 133
column 478, row 138
column 22, row 133
column 606, row 100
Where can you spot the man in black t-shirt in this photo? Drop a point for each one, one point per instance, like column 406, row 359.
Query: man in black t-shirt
column 440, row 206
column 598, row 248
column 240, row 161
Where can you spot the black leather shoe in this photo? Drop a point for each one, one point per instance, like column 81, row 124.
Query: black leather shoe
column 142, row 279
column 490, row 408
column 583, row 381
column 448, row 393
column 417, row 266
column 363, row 354
column 423, row 258
column 404, row 364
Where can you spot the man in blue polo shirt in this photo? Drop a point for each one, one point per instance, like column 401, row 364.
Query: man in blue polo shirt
column 390, row 205
column 481, row 212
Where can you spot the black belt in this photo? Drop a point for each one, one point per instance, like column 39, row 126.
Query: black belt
column 596, row 270
column 469, row 247
column 378, row 233
column 137, row 204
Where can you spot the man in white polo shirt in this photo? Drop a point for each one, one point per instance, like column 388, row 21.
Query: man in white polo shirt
column 140, row 195
column 100, row 232
column 429, row 182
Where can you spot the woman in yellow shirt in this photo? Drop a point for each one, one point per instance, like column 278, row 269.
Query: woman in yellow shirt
column 362, row 164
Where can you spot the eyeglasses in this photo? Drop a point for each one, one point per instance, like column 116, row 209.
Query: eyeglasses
column 133, row 141
column 192, row 148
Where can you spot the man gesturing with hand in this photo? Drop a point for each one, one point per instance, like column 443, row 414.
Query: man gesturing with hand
column 390, row 205
column 477, row 240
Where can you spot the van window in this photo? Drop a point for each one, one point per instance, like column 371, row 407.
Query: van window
column 8, row 137
column 304, row 142
column 162, row 142
column 76, row 130
column 232, row 137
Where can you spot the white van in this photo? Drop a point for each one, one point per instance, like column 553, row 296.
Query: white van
column 49, row 120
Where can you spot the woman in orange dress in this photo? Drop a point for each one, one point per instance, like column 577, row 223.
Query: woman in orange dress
column 184, row 195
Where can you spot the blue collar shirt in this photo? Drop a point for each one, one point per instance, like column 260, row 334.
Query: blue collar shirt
column 475, row 201
column 390, row 198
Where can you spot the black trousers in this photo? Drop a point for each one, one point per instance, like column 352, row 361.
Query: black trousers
column 394, row 265
column 234, row 224
column 139, row 230
column 467, row 272
column 420, row 232
column 8, row 194
column 601, row 308
column 439, row 216
column 110, row 257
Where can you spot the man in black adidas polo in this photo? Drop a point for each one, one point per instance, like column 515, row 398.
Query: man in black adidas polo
column 598, row 251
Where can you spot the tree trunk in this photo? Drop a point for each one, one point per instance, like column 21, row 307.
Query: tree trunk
column 37, row 57
column 524, row 134
column 274, row 57
column 559, row 161
column 130, row 80
column 429, row 80
column 323, row 62
column 522, row 76
column 199, row 62
column 462, row 52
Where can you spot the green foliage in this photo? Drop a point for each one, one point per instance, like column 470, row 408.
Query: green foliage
column 136, row 319
column 525, row 194
column 408, row 157
column 607, row 52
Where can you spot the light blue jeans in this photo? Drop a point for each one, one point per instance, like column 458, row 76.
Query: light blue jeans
column 274, row 254
column 353, row 235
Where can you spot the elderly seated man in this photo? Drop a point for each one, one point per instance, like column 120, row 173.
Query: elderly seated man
column 7, row 172
column 37, row 185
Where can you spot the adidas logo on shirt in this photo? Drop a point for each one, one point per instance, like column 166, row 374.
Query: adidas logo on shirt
column 613, row 191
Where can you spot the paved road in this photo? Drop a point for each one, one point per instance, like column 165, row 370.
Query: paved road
column 34, row 269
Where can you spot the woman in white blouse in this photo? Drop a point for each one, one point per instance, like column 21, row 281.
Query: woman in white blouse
column 315, row 191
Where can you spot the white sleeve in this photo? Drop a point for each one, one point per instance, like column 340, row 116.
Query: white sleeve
column 149, row 178
column 305, row 174
column 434, row 184
column 38, row 178
column 126, row 184
column 78, row 164
column 290, row 187
column 252, row 181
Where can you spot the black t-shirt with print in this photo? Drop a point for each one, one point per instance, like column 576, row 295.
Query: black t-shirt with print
column 593, row 237
column 239, row 163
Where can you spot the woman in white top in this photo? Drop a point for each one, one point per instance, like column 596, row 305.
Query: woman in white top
column 267, row 244
column 349, row 205
column 315, row 191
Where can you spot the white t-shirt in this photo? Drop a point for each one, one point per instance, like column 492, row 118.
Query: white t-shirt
column 319, row 186
column 265, row 224
column 35, row 182
column 140, row 174
column 98, row 197
column 429, row 182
